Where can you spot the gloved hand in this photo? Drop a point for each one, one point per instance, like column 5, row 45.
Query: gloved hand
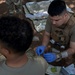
column 50, row 57
column 40, row 49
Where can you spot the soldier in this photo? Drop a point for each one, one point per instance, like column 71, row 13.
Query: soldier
column 15, row 7
column 60, row 31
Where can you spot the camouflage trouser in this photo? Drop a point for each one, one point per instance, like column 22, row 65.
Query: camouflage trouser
column 14, row 6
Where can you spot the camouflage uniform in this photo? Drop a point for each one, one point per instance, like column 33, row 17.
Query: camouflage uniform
column 62, row 37
column 15, row 6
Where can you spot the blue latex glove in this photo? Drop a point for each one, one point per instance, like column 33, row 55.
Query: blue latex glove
column 40, row 49
column 50, row 57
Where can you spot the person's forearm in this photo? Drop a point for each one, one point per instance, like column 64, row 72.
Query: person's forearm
column 66, row 53
column 70, row 51
column 46, row 39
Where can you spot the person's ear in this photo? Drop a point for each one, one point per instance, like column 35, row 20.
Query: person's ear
column 66, row 14
column 5, row 51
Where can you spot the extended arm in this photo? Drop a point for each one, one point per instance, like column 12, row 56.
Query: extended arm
column 40, row 49
column 46, row 39
column 71, row 49
column 50, row 57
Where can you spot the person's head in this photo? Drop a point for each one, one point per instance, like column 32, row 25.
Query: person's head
column 57, row 12
column 15, row 35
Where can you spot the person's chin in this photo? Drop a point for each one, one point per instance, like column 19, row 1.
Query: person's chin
column 56, row 25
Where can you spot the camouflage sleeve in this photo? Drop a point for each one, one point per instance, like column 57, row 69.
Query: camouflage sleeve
column 42, row 61
column 73, row 34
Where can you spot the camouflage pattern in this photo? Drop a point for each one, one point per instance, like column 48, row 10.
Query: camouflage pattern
column 62, row 37
column 15, row 6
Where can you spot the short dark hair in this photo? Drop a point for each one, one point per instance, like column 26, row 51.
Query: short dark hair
column 15, row 33
column 56, row 7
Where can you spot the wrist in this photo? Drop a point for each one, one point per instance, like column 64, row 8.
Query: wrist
column 43, row 46
column 61, row 55
column 64, row 54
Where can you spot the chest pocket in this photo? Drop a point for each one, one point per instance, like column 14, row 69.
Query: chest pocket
column 61, row 37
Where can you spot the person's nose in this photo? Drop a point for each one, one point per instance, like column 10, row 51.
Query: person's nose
column 54, row 22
